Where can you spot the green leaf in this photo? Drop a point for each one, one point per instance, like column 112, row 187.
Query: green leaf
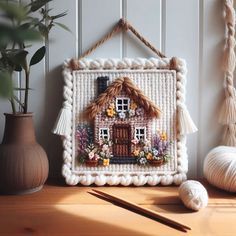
column 59, row 15
column 17, row 34
column 35, row 5
column 62, row 26
column 38, row 56
column 13, row 10
column 6, row 87
column 19, row 58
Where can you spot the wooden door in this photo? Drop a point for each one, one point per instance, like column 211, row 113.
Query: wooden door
column 121, row 140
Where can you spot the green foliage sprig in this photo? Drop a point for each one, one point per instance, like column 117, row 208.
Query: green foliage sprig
column 18, row 27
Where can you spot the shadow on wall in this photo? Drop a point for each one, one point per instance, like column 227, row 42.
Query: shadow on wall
column 53, row 101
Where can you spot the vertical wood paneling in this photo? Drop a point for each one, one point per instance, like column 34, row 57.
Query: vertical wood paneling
column 62, row 45
column 145, row 16
column 98, row 17
column 182, row 40
column 211, row 92
column 189, row 29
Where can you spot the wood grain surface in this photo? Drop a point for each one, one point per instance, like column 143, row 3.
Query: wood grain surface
column 63, row 210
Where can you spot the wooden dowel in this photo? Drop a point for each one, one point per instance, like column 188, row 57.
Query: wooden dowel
column 144, row 210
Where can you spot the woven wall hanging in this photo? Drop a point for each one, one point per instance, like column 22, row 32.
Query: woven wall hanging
column 124, row 121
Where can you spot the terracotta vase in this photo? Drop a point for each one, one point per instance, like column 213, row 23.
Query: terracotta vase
column 23, row 162
column 91, row 163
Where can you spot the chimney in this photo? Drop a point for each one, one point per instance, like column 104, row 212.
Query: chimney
column 102, row 84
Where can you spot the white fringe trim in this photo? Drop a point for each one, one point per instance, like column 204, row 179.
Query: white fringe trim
column 186, row 125
column 63, row 123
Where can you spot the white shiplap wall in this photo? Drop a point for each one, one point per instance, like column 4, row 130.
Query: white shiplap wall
column 191, row 29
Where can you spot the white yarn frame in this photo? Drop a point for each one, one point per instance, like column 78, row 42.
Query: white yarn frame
column 124, row 179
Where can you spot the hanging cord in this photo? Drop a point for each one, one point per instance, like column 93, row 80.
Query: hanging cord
column 122, row 25
column 227, row 114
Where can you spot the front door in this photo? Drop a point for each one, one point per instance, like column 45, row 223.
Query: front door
column 121, row 140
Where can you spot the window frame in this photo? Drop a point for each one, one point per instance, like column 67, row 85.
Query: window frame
column 122, row 104
column 101, row 134
column 144, row 135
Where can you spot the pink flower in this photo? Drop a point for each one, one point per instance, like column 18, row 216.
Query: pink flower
column 91, row 155
column 135, row 141
column 100, row 142
column 96, row 156
column 105, row 147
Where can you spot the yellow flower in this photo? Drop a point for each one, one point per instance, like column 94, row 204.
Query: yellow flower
column 110, row 112
column 163, row 136
column 136, row 152
column 106, row 162
column 112, row 106
column 133, row 105
column 149, row 156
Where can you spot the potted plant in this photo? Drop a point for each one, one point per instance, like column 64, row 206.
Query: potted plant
column 155, row 155
column 23, row 162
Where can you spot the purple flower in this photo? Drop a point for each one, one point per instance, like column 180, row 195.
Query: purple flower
column 139, row 111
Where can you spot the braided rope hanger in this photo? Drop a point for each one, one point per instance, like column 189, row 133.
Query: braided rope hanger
column 227, row 116
column 122, row 25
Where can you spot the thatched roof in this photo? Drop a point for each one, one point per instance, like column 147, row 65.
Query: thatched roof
column 131, row 90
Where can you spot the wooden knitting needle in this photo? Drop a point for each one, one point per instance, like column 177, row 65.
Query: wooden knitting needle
column 141, row 210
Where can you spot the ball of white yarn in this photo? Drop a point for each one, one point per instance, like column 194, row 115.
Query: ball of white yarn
column 193, row 195
column 220, row 168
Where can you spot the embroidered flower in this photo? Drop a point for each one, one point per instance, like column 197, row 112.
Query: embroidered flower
column 106, row 162
column 122, row 115
column 112, row 106
column 133, row 105
column 91, row 155
column 105, row 148
column 96, row 156
column 131, row 113
column 149, row 156
column 135, row 141
column 136, row 152
column 155, row 152
column 139, row 111
column 163, row 136
column 142, row 161
column 110, row 112
column 141, row 154
column 102, row 154
column 145, row 148
column 147, row 143
column 100, row 142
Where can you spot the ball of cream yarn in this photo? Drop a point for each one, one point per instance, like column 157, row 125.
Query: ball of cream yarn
column 193, row 195
column 220, row 168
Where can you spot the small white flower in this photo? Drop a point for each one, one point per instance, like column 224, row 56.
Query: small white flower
column 105, row 147
column 131, row 113
column 91, row 155
column 122, row 115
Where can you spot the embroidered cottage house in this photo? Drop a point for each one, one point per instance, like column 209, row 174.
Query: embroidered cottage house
column 122, row 114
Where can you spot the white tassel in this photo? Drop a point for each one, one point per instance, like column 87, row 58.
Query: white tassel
column 228, row 111
column 63, row 124
column 186, row 125
column 229, row 138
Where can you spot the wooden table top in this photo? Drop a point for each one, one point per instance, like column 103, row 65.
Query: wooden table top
column 64, row 210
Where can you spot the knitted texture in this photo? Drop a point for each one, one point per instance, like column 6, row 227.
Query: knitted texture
column 165, row 87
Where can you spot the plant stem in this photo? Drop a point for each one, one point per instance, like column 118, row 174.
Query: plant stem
column 25, row 109
column 13, row 106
